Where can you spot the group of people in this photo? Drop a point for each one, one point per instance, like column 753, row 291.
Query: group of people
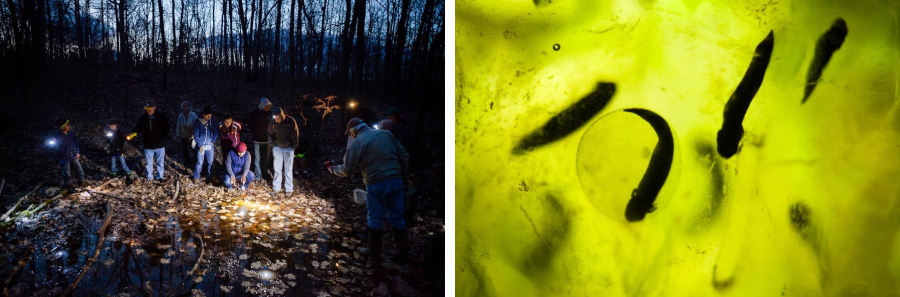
column 272, row 131
column 384, row 156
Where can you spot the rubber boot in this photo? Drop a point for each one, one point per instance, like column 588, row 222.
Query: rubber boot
column 375, row 241
column 401, row 239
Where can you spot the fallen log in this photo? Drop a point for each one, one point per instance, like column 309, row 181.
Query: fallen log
column 5, row 216
column 101, row 236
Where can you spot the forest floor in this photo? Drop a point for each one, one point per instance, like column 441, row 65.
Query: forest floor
column 178, row 237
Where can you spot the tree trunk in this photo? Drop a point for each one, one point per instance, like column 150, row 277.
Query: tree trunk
column 346, row 44
column 79, row 37
column 18, row 37
column 165, row 49
column 245, row 42
column 360, row 12
column 292, row 50
column 400, row 48
column 277, row 51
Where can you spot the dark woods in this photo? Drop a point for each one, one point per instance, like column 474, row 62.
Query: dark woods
column 387, row 49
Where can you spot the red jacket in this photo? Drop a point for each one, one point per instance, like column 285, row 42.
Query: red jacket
column 230, row 136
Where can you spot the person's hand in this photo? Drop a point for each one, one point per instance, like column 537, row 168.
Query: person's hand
column 77, row 156
column 243, row 180
column 201, row 149
column 328, row 165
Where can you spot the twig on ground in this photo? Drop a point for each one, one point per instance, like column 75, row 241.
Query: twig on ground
column 193, row 270
column 101, row 236
column 5, row 216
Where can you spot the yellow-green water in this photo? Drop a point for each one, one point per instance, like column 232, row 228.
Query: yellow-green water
column 525, row 225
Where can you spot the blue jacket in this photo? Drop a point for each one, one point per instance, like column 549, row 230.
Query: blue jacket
column 68, row 146
column 236, row 164
column 205, row 134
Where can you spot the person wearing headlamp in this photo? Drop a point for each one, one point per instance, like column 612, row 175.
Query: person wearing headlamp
column 116, row 147
column 383, row 162
column 67, row 153
column 284, row 136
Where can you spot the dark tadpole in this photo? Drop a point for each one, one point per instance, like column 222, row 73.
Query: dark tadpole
column 644, row 196
column 732, row 130
column 569, row 120
column 825, row 47
column 542, row 3
column 721, row 285
column 800, row 218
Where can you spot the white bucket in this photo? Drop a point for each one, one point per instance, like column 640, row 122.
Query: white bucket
column 359, row 196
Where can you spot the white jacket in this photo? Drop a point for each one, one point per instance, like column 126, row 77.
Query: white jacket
column 185, row 127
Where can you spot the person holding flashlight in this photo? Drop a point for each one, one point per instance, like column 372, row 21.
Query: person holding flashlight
column 116, row 147
column 237, row 165
column 155, row 128
column 67, row 153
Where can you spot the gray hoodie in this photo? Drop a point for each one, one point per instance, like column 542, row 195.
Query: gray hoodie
column 377, row 154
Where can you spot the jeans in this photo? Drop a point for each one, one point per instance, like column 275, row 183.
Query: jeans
column 121, row 160
column 186, row 152
column 385, row 199
column 207, row 154
column 284, row 166
column 67, row 167
column 157, row 155
column 246, row 184
column 262, row 151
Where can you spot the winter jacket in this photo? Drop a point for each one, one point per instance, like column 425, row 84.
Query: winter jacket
column 117, row 143
column 230, row 136
column 377, row 154
column 184, row 129
column 204, row 134
column 259, row 125
column 419, row 155
column 155, row 130
column 284, row 135
column 237, row 165
column 68, row 146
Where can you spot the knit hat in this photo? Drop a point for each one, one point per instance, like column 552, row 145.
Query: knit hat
column 353, row 123
column 392, row 111
column 112, row 122
column 207, row 110
column 277, row 111
column 62, row 123
column 263, row 103
column 241, row 147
